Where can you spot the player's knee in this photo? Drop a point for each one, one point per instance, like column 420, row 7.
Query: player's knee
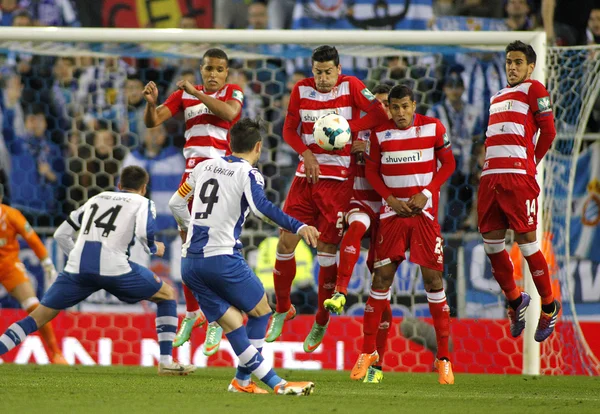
column 30, row 303
column 261, row 309
column 359, row 218
column 382, row 278
column 529, row 249
column 325, row 259
column 493, row 246
column 165, row 292
column 287, row 243
column 432, row 279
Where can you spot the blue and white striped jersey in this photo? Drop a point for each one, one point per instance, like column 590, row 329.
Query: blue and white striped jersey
column 108, row 224
column 224, row 190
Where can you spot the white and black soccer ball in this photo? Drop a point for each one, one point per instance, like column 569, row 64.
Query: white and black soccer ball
column 332, row 132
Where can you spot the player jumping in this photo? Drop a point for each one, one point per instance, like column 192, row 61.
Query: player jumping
column 508, row 190
column 210, row 110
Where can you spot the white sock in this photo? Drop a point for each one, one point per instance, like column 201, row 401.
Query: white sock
column 192, row 315
column 244, row 383
column 166, row 359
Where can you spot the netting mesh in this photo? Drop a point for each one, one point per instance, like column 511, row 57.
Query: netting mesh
column 73, row 117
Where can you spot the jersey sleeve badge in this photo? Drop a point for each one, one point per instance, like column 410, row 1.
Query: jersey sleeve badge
column 367, row 94
column 238, row 95
column 544, row 104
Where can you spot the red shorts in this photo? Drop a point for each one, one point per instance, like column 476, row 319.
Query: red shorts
column 321, row 205
column 507, row 201
column 419, row 234
column 358, row 206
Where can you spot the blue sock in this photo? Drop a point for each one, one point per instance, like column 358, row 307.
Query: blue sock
column 250, row 358
column 166, row 328
column 16, row 333
column 256, row 329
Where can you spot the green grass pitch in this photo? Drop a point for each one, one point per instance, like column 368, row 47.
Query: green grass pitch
column 56, row 389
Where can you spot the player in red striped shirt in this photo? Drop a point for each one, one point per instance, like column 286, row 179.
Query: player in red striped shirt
column 210, row 110
column 322, row 188
column 508, row 190
column 402, row 167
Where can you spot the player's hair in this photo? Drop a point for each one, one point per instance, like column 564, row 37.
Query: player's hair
column 518, row 46
column 22, row 13
column 381, row 88
column 217, row 54
column 326, row 53
column 400, row 91
column 133, row 177
column 244, row 135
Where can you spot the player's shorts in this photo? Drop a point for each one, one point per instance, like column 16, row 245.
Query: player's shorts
column 71, row 288
column 507, row 201
column 420, row 234
column 219, row 282
column 12, row 275
column 322, row 205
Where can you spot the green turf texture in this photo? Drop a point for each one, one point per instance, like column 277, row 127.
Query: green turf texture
column 131, row 390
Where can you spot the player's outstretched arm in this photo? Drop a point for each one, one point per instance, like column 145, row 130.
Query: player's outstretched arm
column 153, row 115
column 374, row 112
column 263, row 208
column 179, row 204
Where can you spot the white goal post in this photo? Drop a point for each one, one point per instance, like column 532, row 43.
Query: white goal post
column 481, row 39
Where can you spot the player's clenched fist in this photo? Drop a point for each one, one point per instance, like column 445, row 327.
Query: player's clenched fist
column 186, row 86
column 160, row 249
column 151, row 93
column 310, row 235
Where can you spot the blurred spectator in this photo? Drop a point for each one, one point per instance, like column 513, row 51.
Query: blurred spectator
column 519, row 16
column 258, row 17
column 7, row 9
column 37, row 171
column 565, row 23
column 51, row 12
column 594, row 26
column 281, row 13
column 464, row 126
column 480, row 8
column 444, row 8
column 164, row 163
column 64, row 88
column 132, row 115
column 188, row 22
column 231, row 14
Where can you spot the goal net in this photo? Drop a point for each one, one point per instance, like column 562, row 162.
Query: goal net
column 85, row 97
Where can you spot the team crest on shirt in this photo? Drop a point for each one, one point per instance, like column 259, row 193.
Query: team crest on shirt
column 258, row 177
column 367, row 94
column 156, row 278
column 544, row 104
column 312, row 94
column 418, row 131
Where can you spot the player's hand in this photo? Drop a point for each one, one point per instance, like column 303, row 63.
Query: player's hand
column 160, row 249
column 186, row 86
column 50, row 272
column 400, row 207
column 417, row 202
column 358, row 146
column 151, row 93
column 311, row 166
column 310, row 235
column 183, row 235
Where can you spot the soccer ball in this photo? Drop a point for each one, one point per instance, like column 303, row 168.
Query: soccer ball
column 332, row 132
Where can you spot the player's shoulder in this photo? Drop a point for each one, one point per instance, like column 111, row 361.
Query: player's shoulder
column 421, row 120
column 232, row 87
column 536, row 87
column 386, row 126
column 307, row 82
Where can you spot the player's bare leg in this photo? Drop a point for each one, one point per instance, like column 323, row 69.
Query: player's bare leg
column 502, row 269
column 374, row 308
column 538, row 267
column 25, row 295
column 283, row 276
column 440, row 313
column 166, row 325
column 250, row 358
column 327, row 278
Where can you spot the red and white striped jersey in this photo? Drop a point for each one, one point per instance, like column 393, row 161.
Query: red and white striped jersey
column 363, row 191
column 407, row 159
column 512, row 128
column 206, row 135
column 348, row 98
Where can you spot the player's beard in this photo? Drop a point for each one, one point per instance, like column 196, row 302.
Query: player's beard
column 523, row 79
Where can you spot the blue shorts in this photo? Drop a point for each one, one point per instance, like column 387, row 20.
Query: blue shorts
column 220, row 282
column 71, row 288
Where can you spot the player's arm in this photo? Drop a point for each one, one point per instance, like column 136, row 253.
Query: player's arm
column 145, row 228
column 373, row 175
column 65, row 233
column 179, row 203
column 366, row 102
column 227, row 110
column 153, row 115
column 540, row 105
column 443, row 153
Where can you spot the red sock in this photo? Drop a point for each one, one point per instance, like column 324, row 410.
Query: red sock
column 440, row 312
column 502, row 269
column 538, row 266
column 382, row 332
column 327, row 278
column 191, row 304
column 283, row 276
column 349, row 254
column 376, row 304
